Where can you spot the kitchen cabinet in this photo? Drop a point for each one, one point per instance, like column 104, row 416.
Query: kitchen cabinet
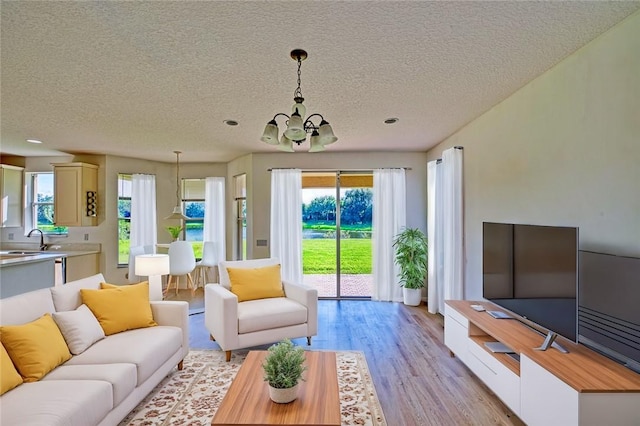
column 78, row 267
column 11, row 193
column 18, row 278
column 76, row 191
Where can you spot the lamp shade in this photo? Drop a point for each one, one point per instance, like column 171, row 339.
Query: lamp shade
column 270, row 134
column 176, row 214
column 326, row 133
column 286, row 144
column 152, row 264
column 295, row 128
column 314, row 141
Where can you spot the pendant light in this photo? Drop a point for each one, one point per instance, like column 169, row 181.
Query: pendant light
column 177, row 210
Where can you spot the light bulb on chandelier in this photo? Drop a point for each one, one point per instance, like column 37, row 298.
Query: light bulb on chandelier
column 297, row 126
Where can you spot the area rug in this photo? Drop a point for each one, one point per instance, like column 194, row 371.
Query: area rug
column 192, row 396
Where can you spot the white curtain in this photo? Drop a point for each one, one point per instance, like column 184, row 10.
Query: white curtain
column 286, row 222
column 446, row 229
column 435, row 286
column 214, row 217
column 389, row 217
column 143, row 225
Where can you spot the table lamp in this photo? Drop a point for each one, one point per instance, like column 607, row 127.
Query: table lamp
column 153, row 266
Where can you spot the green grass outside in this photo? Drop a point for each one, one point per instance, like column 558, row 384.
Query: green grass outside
column 319, row 256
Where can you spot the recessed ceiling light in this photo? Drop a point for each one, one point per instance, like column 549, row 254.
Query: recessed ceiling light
column 33, row 141
column 391, row 120
column 231, row 122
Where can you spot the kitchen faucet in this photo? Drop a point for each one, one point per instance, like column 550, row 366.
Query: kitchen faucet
column 43, row 246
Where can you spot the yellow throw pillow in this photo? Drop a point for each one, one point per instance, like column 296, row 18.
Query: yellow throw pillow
column 256, row 283
column 35, row 348
column 9, row 377
column 120, row 307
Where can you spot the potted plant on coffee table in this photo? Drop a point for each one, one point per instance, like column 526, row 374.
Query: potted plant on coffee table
column 411, row 255
column 283, row 368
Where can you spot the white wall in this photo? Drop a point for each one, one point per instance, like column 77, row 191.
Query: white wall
column 563, row 150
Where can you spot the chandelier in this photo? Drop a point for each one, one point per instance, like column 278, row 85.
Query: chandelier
column 297, row 126
column 177, row 210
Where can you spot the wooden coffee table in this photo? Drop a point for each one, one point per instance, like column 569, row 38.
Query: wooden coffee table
column 247, row 401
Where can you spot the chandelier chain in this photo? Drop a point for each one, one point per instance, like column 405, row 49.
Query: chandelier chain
column 298, row 92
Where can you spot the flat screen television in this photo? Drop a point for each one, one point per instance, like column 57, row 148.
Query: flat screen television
column 608, row 312
column 532, row 271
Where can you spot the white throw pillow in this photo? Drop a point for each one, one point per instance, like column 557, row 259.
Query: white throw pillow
column 80, row 328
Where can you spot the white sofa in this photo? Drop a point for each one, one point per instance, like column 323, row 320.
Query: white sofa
column 236, row 325
column 104, row 383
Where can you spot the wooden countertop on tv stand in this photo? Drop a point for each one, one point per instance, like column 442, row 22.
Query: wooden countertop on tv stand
column 582, row 369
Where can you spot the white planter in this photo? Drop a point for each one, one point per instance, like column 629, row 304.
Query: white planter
column 283, row 396
column 412, row 296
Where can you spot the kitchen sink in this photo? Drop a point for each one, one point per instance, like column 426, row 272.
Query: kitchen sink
column 23, row 252
column 19, row 253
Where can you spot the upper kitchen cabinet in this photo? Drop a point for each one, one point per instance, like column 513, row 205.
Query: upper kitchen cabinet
column 11, row 192
column 76, row 192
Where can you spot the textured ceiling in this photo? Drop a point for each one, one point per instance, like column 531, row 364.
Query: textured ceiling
column 142, row 79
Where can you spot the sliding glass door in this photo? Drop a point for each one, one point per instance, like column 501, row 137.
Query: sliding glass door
column 336, row 236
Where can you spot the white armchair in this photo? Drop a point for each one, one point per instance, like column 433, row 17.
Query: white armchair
column 236, row 325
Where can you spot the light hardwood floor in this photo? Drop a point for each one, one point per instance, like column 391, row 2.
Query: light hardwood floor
column 417, row 381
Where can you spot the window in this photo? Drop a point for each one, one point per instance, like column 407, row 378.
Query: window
column 193, row 206
column 124, row 218
column 40, row 194
column 241, row 216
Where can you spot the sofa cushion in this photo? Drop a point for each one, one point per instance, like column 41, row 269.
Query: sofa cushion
column 147, row 348
column 80, row 328
column 36, row 347
column 265, row 314
column 256, row 283
column 121, row 376
column 9, row 376
column 26, row 307
column 57, row 403
column 120, row 308
column 252, row 263
column 67, row 297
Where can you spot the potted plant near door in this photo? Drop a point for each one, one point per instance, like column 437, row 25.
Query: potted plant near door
column 411, row 255
column 283, row 368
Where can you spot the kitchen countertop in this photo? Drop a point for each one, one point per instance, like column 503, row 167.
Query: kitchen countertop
column 34, row 255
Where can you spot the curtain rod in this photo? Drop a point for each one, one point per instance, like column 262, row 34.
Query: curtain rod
column 439, row 160
column 335, row 170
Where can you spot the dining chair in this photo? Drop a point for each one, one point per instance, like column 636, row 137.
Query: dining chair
column 182, row 261
column 203, row 265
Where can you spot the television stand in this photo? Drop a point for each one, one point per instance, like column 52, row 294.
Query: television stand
column 543, row 388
